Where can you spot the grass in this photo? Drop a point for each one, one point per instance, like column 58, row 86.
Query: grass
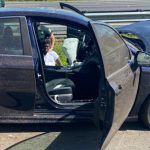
column 58, row 50
column 128, row 35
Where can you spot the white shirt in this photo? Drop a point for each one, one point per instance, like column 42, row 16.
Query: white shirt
column 50, row 58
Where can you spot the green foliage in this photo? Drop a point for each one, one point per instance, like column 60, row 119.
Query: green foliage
column 58, row 50
column 129, row 35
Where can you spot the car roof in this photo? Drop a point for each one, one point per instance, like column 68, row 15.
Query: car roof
column 141, row 29
column 40, row 12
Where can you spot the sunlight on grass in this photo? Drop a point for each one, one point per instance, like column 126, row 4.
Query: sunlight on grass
column 58, row 49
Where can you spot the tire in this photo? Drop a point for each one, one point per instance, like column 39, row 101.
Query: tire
column 145, row 113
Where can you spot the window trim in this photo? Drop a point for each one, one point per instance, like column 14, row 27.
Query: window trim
column 99, row 44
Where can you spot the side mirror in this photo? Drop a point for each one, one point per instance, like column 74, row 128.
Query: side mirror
column 142, row 59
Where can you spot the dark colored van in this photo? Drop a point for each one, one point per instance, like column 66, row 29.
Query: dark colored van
column 99, row 83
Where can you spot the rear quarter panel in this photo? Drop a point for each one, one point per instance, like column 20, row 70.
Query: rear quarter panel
column 143, row 91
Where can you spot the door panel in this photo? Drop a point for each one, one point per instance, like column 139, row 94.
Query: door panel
column 122, row 81
column 17, row 77
column 125, row 87
column 17, row 85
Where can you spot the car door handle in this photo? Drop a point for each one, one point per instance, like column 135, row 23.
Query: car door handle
column 40, row 79
column 39, row 76
column 118, row 89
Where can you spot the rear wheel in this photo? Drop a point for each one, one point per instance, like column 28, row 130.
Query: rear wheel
column 145, row 113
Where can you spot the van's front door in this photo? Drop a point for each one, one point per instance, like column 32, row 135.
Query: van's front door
column 121, row 80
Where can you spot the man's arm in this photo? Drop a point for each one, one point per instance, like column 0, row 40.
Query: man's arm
column 52, row 39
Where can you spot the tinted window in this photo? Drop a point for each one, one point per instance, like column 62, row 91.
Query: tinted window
column 114, row 51
column 10, row 39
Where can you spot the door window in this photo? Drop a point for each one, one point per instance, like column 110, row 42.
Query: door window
column 11, row 38
column 114, row 51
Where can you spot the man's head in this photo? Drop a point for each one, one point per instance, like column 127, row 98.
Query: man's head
column 46, row 45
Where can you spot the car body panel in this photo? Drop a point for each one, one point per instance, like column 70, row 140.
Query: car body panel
column 142, row 31
column 143, row 92
column 52, row 13
column 17, row 78
column 124, row 85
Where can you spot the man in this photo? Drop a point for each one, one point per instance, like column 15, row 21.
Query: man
column 45, row 33
column 51, row 58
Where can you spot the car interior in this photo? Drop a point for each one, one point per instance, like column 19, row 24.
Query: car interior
column 77, row 80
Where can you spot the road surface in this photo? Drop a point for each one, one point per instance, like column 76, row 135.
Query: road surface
column 131, row 136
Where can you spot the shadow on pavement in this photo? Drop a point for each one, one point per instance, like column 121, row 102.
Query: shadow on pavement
column 134, row 126
column 62, row 136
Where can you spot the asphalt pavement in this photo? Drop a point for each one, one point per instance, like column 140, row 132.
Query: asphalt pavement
column 131, row 136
